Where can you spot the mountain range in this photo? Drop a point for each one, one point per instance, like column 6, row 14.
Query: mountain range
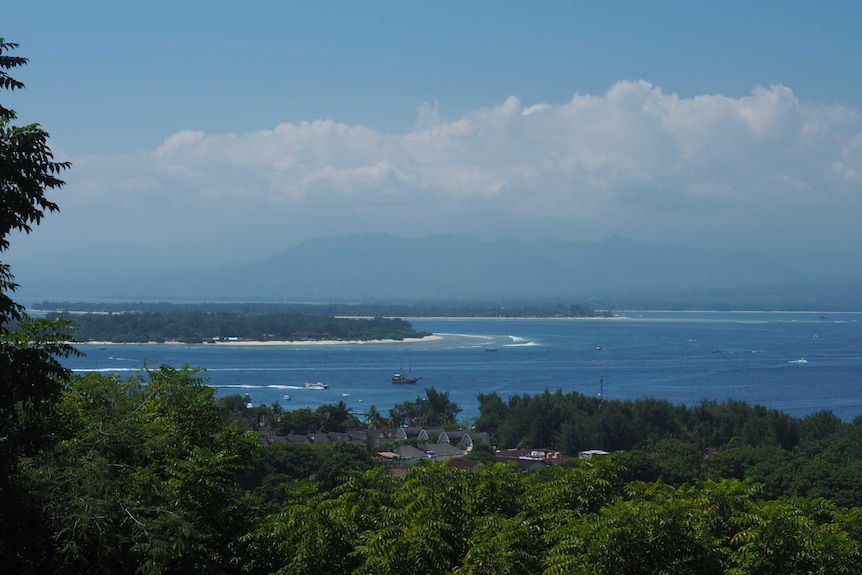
column 382, row 267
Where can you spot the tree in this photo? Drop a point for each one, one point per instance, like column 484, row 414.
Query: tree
column 439, row 409
column 433, row 410
column 492, row 412
column 28, row 347
column 676, row 461
column 143, row 478
column 31, row 375
column 374, row 419
column 27, row 170
column 336, row 418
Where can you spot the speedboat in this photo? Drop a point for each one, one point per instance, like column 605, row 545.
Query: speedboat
column 316, row 385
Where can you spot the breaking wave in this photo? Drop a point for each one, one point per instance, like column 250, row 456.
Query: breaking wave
column 520, row 342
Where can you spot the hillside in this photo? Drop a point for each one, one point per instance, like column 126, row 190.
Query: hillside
column 614, row 273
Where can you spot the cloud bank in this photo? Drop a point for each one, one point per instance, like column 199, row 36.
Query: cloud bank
column 765, row 170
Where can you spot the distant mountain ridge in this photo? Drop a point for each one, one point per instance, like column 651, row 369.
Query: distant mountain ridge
column 385, row 267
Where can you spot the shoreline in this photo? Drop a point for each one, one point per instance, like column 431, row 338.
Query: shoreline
column 241, row 343
column 515, row 318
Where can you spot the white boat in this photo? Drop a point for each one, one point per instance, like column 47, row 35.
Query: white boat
column 316, row 385
column 286, row 397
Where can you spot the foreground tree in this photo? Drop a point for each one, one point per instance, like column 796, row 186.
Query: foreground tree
column 490, row 520
column 28, row 348
column 27, row 171
column 143, row 478
column 31, row 375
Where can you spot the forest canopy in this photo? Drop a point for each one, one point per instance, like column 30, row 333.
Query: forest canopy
column 202, row 326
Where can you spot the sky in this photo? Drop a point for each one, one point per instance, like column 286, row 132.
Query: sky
column 220, row 131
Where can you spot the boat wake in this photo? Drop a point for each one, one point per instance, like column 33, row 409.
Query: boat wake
column 249, row 386
column 235, row 386
column 520, row 342
column 106, row 369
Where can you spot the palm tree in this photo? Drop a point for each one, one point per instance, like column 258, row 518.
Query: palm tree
column 374, row 419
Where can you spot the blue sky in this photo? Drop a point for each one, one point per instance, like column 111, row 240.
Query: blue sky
column 233, row 129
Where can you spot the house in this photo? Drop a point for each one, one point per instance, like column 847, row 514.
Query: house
column 386, row 433
column 339, row 437
column 405, row 433
column 443, row 450
column 590, row 453
column 408, row 452
column 359, row 436
column 433, row 436
column 465, row 439
column 386, row 456
column 384, row 441
column 528, row 459
column 449, row 443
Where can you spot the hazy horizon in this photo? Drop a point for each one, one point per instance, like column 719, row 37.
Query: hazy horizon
column 218, row 134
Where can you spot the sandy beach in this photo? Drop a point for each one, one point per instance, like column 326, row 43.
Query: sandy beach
column 332, row 341
column 238, row 342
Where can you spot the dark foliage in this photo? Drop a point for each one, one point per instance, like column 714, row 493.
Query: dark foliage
column 202, row 326
column 31, row 376
column 813, row 456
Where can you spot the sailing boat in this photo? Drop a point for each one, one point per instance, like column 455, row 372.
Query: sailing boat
column 400, row 378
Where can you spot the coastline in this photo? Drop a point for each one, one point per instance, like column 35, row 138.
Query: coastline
column 517, row 318
column 240, row 343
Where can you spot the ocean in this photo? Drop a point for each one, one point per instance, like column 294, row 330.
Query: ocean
column 799, row 363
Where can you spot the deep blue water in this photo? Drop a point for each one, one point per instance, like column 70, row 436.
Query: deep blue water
column 797, row 362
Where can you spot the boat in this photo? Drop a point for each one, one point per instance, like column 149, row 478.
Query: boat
column 400, row 378
column 286, row 397
column 316, row 385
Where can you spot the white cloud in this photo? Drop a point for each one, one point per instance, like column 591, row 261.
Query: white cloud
column 537, row 109
column 178, row 140
column 635, row 160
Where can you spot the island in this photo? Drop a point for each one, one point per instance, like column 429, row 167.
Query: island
column 232, row 328
column 259, row 323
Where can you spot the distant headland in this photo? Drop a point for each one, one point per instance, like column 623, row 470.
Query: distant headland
column 273, row 324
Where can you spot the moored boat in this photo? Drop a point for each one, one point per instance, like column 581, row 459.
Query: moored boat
column 400, row 379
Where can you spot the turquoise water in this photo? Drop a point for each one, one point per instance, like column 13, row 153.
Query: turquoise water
column 797, row 362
